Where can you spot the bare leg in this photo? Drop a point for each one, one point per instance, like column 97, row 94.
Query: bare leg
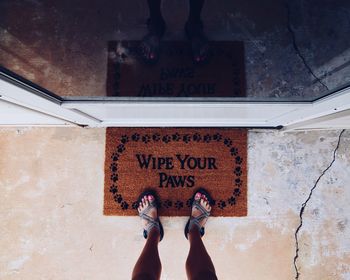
column 154, row 9
column 199, row 264
column 194, row 31
column 150, row 45
column 148, row 266
column 195, row 10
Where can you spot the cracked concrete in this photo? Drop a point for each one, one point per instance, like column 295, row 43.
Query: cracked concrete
column 297, row 50
column 52, row 227
column 303, row 206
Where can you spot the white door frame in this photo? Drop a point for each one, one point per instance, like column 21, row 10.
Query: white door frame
column 97, row 113
column 19, row 93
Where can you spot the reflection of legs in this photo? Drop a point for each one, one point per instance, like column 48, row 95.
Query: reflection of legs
column 156, row 29
column 148, row 266
column 155, row 13
column 195, row 10
column 194, row 31
column 154, row 9
column 198, row 264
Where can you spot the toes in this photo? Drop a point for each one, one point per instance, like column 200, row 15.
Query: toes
column 146, row 202
column 141, row 206
column 203, row 200
column 143, row 202
column 205, row 203
column 208, row 206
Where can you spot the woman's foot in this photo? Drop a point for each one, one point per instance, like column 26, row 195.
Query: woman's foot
column 150, row 44
column 149, row 214
column 198, row 40
column 199, row 214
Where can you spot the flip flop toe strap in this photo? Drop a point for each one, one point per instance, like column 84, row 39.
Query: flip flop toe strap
column 201, row 208
column 152, row 223
column 148, row 208
column 195, row 221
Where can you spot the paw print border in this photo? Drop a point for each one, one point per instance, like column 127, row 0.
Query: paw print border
column 186, row 139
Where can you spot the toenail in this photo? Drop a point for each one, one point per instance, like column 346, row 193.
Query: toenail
column 197, row 196
column 150, row 197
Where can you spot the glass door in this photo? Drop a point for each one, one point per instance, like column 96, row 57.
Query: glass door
column 268, row 64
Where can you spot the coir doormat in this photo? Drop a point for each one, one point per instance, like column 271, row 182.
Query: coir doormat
column 175, row 162
column 175, row 75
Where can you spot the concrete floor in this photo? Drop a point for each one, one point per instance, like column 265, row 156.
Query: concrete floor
column 52, row 226
column 62, row 45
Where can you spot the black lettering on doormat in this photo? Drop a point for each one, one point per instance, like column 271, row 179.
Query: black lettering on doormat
column 178, row 170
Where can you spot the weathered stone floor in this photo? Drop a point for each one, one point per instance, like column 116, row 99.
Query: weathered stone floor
column 52, row 226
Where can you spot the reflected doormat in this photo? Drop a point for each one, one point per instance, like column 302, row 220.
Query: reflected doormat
column 175, row 75
column 175, row 162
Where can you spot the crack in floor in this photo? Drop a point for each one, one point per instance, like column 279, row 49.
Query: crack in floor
column 297, row 50
column 303, row 206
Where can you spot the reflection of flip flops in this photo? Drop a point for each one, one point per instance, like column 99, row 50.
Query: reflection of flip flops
column 195, row 221
column 150, row 44
column 199, row 42
column 152, row 223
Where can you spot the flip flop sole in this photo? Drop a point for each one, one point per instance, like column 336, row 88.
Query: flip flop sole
column 158, row 205
column 211, row 203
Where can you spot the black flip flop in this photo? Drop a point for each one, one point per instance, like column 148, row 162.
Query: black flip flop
column 153, row 222
column 211, row 203
column 155, row 32
column 196, row 31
